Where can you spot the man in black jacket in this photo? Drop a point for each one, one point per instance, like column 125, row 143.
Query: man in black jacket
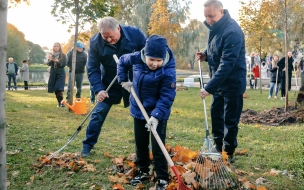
column 225, row 55
column 81, row 61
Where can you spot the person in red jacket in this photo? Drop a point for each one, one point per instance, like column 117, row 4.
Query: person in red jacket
column 256, row 73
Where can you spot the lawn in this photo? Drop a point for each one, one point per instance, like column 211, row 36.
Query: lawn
column 36, row 127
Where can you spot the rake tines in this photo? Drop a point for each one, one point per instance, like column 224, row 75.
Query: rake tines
column 212, row 171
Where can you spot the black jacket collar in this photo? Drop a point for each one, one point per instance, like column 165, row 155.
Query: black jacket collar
column 219, row 24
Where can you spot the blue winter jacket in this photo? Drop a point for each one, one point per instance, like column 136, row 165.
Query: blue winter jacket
column 154, row 88
column 226, row 57
column 100, row 52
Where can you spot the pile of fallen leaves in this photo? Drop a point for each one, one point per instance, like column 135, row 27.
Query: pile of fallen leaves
column 274, row 116
column 124, row 169
column 70, row 161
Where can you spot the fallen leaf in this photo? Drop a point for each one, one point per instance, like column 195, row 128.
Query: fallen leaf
column 66, row 127
column 8, row 184
column 97, row 161
column 90, row 168
column 172, row 186
column 131, row 164
column 107, row 155
column 260, row 180
column 117, row 179
column 118, row 187
column 261, row 188
column 274, row 172
column 140, row 186
column 190, row 178
column 118, row 161
column 243, row 173
column 248, row 185
column 32, row 178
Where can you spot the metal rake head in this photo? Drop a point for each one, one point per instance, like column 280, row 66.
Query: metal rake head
column 213, row 172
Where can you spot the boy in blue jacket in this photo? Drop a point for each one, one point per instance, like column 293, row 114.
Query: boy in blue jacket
column 154, row 82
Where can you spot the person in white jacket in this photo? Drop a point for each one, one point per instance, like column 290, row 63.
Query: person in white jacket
column 24, row 70
column 264, row 68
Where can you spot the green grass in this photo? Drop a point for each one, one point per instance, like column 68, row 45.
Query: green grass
column 37, row 127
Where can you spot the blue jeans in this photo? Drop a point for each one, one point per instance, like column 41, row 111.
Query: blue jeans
column 78, row 80
column 98, row 117
column 10, row 76
column 225, row 117
column 272, row 84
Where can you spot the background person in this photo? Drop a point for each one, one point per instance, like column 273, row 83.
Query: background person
column 24, row 70
column 256, row 74
column 11, row 71
column 225, row 55
column 281, row 65
column 57, row 61
column 275, row 79
column 81, row 61
column 111, row 39
column 157, row 92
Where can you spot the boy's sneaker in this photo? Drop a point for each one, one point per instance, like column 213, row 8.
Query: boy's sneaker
column 142, row 176
column 269, row 97
column 161, row 184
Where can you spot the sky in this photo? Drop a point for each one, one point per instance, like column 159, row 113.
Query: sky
column 40, row 27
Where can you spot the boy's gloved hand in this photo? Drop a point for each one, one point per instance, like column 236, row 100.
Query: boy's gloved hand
column 154, row 122
column 127, row 85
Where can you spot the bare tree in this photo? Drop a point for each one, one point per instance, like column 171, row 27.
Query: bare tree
column 3, row 47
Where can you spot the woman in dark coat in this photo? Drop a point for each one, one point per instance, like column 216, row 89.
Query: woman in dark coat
column 57, row 61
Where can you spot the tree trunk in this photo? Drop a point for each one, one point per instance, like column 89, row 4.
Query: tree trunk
column 286, row 57
column 3, row 47
column 74, row 54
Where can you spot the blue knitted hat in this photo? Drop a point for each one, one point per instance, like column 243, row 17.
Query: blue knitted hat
column 156, row 46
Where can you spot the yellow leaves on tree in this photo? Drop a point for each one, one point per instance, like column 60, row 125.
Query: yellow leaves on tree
column 160, row 23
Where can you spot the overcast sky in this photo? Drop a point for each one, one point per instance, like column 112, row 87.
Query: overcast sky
column 40, row 27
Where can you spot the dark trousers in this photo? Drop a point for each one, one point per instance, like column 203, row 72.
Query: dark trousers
column 25, row 85
column 142, row 137
column 283, row 92
column 225, row 117
column 59, row 96
column 253, row 82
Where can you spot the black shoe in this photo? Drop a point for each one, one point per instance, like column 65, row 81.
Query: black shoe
column 230, row 159
column 142, row 176
column 161, row 184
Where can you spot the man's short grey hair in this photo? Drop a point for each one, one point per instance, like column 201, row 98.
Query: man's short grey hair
column 217, row 4
column 108, row 23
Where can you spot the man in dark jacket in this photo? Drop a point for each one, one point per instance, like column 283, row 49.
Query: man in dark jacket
column 281, row 65
column 81, row 61
column 11, row 71
column 226, row 59
column 112, row 39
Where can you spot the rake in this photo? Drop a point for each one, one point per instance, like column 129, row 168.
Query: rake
column 181, row 185
column 212, row 172
column 80, row 126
